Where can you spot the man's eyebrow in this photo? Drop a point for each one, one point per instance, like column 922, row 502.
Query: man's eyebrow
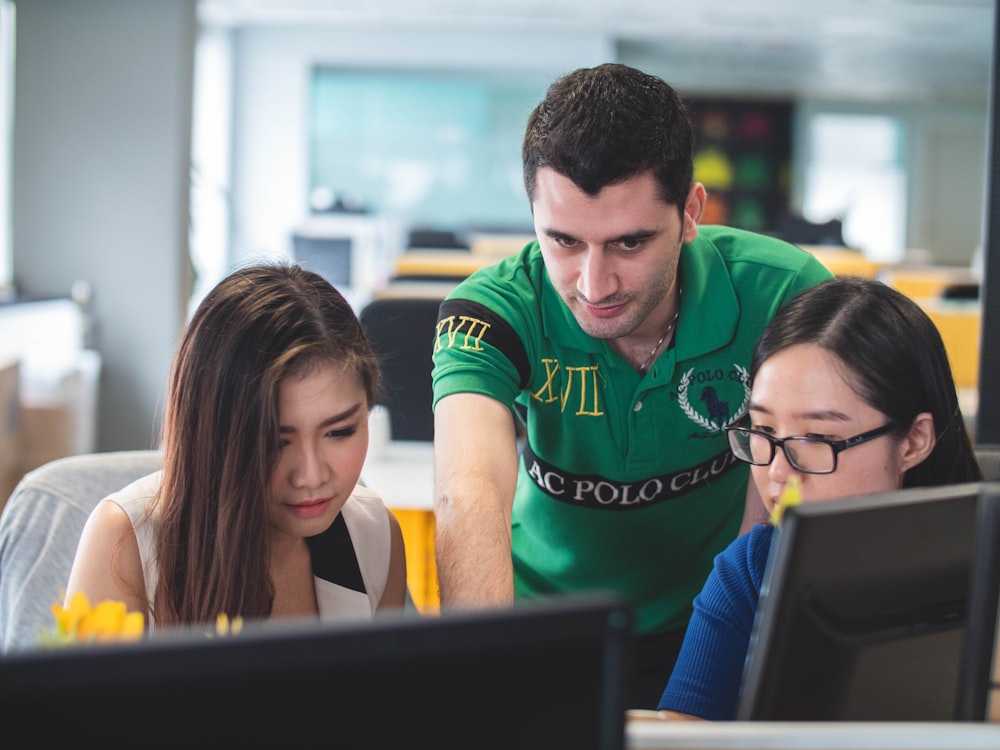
column 557, row 235
column 636, row 236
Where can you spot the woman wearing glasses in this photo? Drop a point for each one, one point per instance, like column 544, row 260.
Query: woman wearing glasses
column 851, row 394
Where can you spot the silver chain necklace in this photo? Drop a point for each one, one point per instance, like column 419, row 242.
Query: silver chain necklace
column 656, row 346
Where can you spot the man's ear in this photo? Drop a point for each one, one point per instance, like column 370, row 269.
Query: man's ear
column 694, row 207
column 919, row 441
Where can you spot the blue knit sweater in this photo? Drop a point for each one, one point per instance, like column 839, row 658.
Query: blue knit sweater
column 706, row 679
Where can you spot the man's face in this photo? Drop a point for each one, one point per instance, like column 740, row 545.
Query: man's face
column 613, row 258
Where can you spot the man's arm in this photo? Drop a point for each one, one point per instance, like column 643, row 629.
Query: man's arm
column 475, row 472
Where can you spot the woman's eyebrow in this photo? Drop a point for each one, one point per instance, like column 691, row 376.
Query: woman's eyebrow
column 331, row 420
column 829, row 415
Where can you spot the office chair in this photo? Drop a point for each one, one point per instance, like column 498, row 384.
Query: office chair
column 800, row 231
column 436, row 239
column 40, row 527
column 961, row 291
column 39, row 530
column 401, row 332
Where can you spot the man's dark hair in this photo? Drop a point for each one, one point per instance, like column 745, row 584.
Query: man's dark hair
column 600, row 126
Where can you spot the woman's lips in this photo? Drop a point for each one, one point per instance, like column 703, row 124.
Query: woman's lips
column 310, row 508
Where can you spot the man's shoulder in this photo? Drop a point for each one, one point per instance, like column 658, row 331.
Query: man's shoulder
column 523, row 261
column 741, row 245
column 514, row 281
column 751, row 258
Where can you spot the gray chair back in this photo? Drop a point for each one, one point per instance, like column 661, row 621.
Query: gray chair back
column 39, row 530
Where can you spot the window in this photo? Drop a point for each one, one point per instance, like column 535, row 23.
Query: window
column 440, row 149
column 854, row 173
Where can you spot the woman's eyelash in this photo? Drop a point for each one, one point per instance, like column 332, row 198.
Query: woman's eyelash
column 343, row 432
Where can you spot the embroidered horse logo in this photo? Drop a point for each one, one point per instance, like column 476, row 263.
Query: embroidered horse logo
column 718, row 410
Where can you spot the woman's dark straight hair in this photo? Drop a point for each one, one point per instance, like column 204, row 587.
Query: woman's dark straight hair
column 893, row 357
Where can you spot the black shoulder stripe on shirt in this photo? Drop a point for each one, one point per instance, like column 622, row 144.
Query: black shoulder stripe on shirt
column 334, row 558
column 498, row 332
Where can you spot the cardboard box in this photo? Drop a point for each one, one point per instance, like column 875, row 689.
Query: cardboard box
column 10, row 415
column 47, row 433
column 10, row 427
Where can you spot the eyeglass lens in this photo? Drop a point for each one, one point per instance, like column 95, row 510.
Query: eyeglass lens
column 804, row 454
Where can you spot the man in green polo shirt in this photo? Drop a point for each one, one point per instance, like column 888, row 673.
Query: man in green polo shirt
column 622, row 338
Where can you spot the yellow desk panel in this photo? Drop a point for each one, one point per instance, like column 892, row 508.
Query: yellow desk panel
column 417, row 526
column 959, row 327
column 843, row 261
column 495, row 247
column 438, row 263
column 402, row 473
column 926, row 283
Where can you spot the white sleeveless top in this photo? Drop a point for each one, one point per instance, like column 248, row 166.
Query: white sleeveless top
column 349, row 569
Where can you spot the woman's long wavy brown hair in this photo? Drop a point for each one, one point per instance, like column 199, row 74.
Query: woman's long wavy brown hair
column 258, row 326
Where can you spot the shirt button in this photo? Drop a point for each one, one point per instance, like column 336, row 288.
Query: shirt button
column 638, row 406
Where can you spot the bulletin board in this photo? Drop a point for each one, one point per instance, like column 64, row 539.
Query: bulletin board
column 742, row 154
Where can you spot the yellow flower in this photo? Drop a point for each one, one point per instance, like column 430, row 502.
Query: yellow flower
column 108, row 621
column 67, row 620
column 790, row 495
column 223, row 626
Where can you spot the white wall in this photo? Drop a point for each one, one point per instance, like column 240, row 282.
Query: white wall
column 272, row 65
column 100, row 186
column 945, row 151
column 947, row 183
column 945, row 155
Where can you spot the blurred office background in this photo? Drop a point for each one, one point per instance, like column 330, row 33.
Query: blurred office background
column 153, row 145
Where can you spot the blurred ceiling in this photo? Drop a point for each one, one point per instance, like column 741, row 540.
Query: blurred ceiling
column 866, row 50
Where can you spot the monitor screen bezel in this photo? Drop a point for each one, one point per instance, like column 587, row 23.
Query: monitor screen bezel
column 438, row 681
column 765, row 694
column 979, row 674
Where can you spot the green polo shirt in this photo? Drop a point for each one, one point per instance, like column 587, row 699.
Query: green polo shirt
column 626, row 483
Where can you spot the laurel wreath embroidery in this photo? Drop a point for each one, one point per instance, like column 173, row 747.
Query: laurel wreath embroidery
column 682, row 392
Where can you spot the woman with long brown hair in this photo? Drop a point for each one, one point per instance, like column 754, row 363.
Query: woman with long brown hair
column 258, row 511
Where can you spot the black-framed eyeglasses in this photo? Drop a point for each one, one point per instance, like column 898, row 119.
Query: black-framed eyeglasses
column 806, row 454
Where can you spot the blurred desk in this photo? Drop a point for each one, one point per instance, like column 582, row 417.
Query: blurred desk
column 485, row 250
column 402, row 472
column 416, row 289
column 926, row 282
column 439, row 264
column 656, row 735
column 497, row 246
column 959, row 325
column 844, row 261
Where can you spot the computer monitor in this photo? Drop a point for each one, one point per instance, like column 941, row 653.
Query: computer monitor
column 863, row 609
column 543, row 675
column 979, row 669
column 355, row 253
